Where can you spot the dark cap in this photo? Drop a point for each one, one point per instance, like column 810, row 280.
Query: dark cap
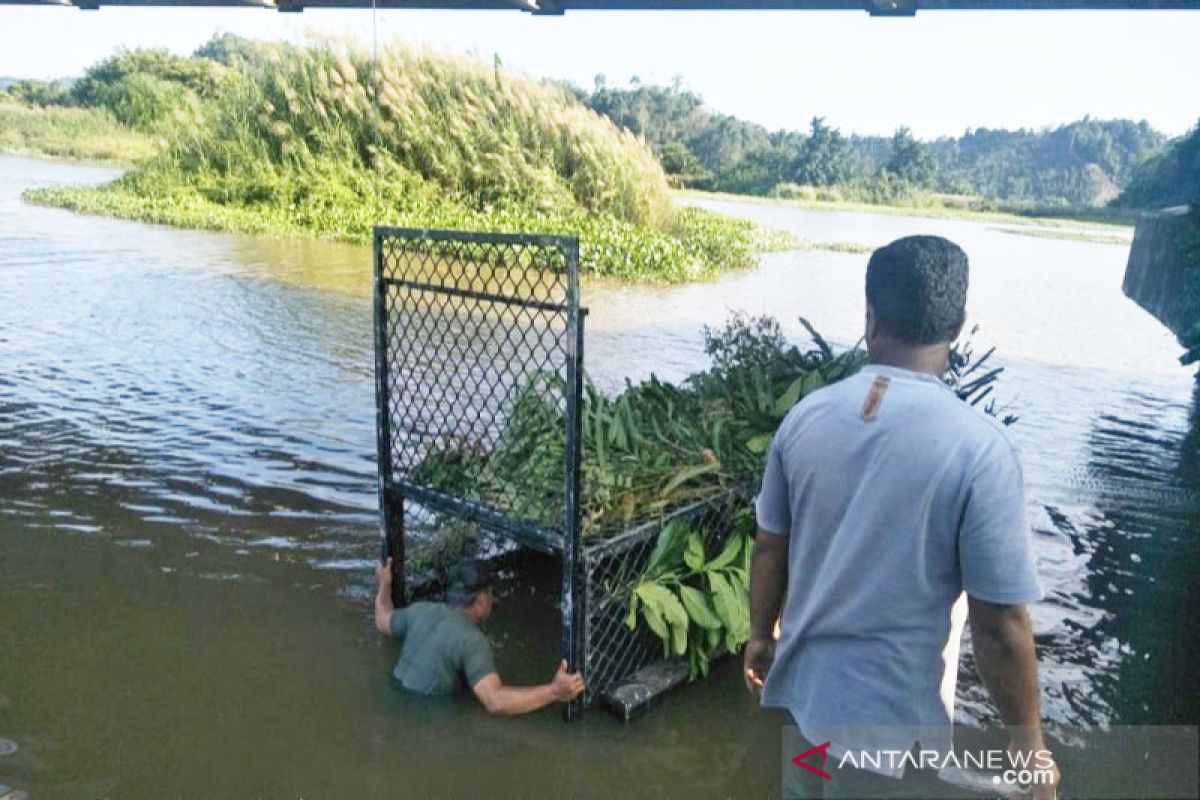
column 467, row 579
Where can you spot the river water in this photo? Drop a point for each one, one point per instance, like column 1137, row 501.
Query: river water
column 187, row 498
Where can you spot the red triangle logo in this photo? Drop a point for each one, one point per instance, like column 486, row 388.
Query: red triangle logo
column 799, row 760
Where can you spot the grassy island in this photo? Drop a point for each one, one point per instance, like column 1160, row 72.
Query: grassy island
column 323, row 139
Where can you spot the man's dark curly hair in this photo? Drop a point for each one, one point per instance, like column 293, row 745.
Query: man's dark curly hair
column 918, row 288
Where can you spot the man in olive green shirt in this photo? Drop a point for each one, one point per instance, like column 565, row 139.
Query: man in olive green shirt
column 444, row 650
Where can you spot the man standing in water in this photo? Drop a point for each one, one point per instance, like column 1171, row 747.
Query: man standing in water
column 444, row 650
column 884, row 499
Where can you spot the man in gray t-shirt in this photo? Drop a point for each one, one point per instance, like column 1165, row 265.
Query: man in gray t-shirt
column 885, row 499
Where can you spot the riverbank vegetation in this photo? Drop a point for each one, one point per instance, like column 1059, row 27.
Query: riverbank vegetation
column 261, row 137
column 1112, row 219
column 1171, row 178
column 83, row 134
column 256, row 137
column 1093, row 236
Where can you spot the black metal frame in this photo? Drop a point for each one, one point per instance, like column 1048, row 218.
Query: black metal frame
column 438, row 296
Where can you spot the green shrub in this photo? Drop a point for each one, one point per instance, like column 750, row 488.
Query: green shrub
column 39, row 93
column 142, row 101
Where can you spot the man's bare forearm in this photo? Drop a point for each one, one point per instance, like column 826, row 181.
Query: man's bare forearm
column 1002, row 638
column 383, row 609
column 768, row 582
column 513, row 700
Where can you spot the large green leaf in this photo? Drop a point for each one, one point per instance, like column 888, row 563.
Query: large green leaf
column 732, row 549
column 673, row 613
column 697, row 607
column 667, row 604
column 668, row 549
column 679, row 639
column 653, row 615
column 724, row 600
column 759, row 444
column 652, row 611
column 812, row 381
column 741, row 591
column 693, row 555
column 789, row 397
column 686, row 474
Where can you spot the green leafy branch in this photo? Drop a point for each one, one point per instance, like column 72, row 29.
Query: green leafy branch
column 694, row 604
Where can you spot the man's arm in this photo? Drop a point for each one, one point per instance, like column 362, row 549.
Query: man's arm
column 768, row 582
column 768, row 567
column 383, row 598
column 995, row 553
column 1003, row 641
column 513, row 700
column 1002, row 638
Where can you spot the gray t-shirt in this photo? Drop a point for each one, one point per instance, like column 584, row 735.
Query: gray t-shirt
column 897, row 497
column 443, row 650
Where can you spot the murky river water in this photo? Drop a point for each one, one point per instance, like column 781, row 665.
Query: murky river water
column 187, row 512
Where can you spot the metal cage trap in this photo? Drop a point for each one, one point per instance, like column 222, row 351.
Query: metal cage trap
column 479, row 351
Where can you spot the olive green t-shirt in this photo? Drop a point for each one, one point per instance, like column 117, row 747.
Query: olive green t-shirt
column 443, row 651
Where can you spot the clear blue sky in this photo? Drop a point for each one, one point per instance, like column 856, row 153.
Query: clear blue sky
column 938, row 73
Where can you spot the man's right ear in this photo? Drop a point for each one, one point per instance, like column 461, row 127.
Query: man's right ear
column 872, row 324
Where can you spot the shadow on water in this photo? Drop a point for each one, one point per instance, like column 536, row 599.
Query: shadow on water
column 1144, row 563
column 1124, row 649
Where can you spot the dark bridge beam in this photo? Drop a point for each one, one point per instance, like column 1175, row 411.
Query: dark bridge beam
column 873, row 7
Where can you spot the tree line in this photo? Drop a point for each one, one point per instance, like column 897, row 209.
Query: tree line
column 1083, row 163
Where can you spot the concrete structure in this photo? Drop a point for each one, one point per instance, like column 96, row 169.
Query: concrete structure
column 1163, row 272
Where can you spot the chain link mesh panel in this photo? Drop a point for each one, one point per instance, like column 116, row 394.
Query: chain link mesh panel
column 478, row 331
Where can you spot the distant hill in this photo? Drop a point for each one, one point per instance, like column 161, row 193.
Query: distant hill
column 1083, row 163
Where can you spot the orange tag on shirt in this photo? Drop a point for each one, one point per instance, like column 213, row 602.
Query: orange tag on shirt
column 870, row 408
